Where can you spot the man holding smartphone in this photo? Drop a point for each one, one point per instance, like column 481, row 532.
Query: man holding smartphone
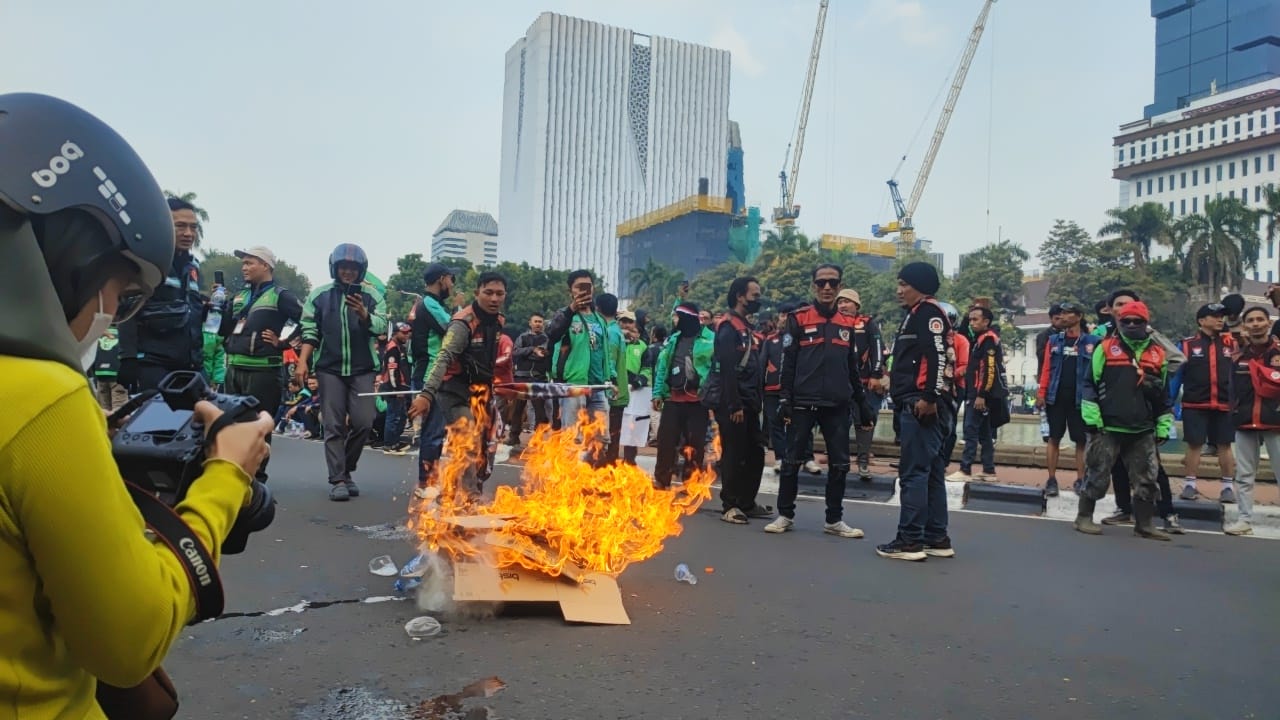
column 582, row 355
column 343, row 320
column 252, row 325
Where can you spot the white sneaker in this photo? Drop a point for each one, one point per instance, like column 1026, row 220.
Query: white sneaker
column 841, row 529
column 780, row 524
column 813, row 468
column 1239, row 527
column 959, row 476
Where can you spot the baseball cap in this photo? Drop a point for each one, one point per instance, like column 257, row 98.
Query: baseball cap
column 1068, row 306
column 626, row 315
column 435, row 271
column 1211, row 309
column 259, row 252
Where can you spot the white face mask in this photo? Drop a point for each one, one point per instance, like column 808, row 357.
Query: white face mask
column 87, row 346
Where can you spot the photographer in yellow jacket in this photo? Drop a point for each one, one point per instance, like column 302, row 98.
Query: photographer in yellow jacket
column 84, row 593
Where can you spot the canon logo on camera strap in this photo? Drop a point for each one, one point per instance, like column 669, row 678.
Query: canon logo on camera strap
column 197, row 563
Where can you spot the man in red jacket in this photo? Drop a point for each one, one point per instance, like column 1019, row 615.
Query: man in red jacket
column 1255, row 390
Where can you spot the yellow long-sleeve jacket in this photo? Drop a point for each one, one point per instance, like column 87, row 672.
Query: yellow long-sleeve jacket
column 83, row 593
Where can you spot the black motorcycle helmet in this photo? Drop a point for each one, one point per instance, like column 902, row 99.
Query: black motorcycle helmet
column 89, row 199
column 348, row 252
column 77, row 208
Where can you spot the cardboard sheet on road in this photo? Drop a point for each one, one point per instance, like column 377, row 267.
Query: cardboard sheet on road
column 584, row 597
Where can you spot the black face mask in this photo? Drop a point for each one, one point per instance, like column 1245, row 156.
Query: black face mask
column 688, row 325
column 1131, row 332
column 443, row 295
column 753, row 307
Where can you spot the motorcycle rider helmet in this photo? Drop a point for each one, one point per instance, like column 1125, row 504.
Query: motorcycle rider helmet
column 348, row 252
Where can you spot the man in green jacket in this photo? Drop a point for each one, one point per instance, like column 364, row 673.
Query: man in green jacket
column 429, row 320
column 607, row 304
column 251, row 326
column 582, row 353
column 340, row 325
column 1125, row 406
column 683, row 366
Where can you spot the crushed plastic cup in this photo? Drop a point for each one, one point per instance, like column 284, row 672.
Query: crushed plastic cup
column 383, row 566
column 422, row 627
column 684, row 575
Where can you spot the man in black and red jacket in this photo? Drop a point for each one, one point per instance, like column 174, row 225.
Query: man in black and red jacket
column 820, row 380
column 396, row 363
column 1255, row 406
column 981, row 381
column 922, row 383
column 1205, row 379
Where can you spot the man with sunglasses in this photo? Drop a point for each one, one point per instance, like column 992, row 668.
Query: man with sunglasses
column 167, row 334
column 1126, row 408
column 1060, row 390
column 1205, row 381
column 820, row 380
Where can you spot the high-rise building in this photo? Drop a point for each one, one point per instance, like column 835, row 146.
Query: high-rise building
column 1208, row 46
column 466, row 235
column 1215, row 132
column 602, row 124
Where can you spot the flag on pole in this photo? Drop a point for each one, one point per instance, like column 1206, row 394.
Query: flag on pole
column 545, row 390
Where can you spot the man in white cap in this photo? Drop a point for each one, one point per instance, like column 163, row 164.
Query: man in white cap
column 252, row 327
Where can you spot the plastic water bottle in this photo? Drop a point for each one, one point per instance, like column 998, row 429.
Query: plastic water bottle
column 1044, row 425
column 216, row 300
column 684, row 575
column 296, row 429
column 406, row 584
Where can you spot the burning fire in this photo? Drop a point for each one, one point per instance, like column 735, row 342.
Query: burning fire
column 567, row 516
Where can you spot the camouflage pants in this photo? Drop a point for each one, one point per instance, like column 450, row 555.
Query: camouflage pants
column 1136, row 451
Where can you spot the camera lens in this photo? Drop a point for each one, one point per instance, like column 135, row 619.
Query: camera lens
column 255, row 516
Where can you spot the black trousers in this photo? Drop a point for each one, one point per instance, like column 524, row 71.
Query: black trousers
column 682, row 428
column 515, row 416
column 1124, row 499
column 615, row 433
column 264, row 385
column 834, row 424
column 741, row 459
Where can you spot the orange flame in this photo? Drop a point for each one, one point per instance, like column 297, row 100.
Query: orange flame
column 567, row 516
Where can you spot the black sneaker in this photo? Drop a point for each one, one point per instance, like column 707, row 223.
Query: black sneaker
column 1078, row 486
column 1119, row 517
column 1051, row 487
column 899, row 550
column 352, row 489
column 940, row 548
column 864, row 472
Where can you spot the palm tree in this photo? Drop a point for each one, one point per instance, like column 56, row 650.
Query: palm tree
column 1140, row 226
column 789, row 240
column 1220, row 244
column 656, row 280
column 1271, row 211
column 201, row 213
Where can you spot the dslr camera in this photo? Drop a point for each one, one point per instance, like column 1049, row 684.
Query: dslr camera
column 160, row 447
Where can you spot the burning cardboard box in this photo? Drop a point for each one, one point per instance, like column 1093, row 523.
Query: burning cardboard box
column 584, row 597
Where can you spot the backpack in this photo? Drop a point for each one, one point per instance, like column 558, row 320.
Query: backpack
column 682, row 375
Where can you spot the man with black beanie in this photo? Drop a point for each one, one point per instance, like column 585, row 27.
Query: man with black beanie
column 922, row 383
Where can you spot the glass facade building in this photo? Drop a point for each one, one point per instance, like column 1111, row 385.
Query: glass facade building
column 1212, row 45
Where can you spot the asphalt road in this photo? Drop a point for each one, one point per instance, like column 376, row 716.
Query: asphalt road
column 1030, row 620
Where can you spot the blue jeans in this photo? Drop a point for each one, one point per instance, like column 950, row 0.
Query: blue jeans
column 922, row 472
column 430, row 442
column 394, row 426
column 977, row 432
column 596, row 402
column 834, row 424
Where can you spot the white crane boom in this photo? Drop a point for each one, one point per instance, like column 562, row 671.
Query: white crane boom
column 788, row 211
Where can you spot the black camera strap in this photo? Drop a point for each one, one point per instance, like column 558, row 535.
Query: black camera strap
column 201, row 571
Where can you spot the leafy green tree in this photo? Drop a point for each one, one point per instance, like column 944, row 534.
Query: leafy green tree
column 286, row 275
column 1271, row 212
column 1140, row 227
column 1219, row 245
column 654, row 286
column 1061, row 250
column 994, row 272
column 710, row 287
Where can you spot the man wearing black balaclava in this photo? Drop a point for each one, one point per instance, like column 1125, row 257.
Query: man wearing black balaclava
column 923, row 387
column 683, row 365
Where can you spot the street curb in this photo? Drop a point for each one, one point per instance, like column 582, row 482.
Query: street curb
column 1266, row 518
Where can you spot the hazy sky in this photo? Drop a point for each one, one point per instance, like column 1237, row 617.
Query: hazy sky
column 305, row 124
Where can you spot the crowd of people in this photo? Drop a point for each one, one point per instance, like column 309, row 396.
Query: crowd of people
column 351, row 378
